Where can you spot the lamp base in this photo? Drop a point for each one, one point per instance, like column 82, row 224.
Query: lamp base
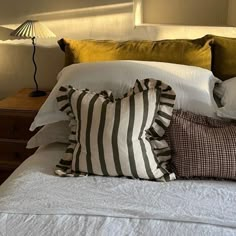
column 37, row 93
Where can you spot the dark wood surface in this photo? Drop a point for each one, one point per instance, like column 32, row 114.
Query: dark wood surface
column 16, row 115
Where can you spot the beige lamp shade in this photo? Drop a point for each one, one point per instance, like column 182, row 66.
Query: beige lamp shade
column 32, row 29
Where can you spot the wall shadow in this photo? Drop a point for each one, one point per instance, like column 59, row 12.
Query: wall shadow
column 83, row 19
column 5, row 34
column 16, row 67
column 45, row 9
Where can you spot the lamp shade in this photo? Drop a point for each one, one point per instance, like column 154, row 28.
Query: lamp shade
column 33, row 29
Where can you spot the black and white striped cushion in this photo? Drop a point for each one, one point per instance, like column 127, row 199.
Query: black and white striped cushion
column 122, row 137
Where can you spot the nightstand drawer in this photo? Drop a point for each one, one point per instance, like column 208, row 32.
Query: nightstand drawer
column 15, row 127
column 17, row 112
column 13, row 154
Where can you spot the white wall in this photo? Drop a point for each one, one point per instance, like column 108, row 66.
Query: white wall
column 232, row 13
column 146, row 13
column 190, row 12
column 103, row 19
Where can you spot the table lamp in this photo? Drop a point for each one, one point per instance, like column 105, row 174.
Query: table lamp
column 33, row 29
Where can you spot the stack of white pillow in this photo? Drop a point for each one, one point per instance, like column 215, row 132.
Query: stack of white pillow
column 193, row 87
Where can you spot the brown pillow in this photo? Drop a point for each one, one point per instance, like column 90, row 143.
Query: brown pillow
column 223, row 56
column 180, row 51
column 202, row 146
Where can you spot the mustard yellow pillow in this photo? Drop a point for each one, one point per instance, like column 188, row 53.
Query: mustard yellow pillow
column 180, row 51
column 223, row 56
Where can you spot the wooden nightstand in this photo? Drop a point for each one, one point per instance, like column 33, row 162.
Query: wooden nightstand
column 16, row 115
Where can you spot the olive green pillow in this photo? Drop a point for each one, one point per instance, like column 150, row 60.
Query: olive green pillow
column 180, row 51
column 223, row 56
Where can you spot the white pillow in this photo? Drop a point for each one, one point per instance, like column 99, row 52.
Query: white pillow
column 193, row 85
column 52, row 133
column 226, row 91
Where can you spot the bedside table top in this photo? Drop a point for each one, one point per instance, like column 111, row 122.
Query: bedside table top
column 21, row 101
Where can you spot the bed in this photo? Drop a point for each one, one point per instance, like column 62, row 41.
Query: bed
column 35, row 202
column 43, row 197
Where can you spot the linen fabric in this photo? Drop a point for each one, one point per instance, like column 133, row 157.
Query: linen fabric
column 122, row 137
column 34, row 200
column 57, row 132
column 202, row 146
column 193, row 85
column 180, row 51
column 226, row 93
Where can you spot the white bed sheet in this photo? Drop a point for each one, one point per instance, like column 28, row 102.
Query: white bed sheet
column 33, row 201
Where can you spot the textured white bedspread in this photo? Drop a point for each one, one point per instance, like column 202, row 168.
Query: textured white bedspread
column 33, row 201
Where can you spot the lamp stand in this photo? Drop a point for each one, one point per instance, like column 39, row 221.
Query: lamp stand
column 36, row 92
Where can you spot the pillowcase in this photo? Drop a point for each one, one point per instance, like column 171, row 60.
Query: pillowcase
column 193, row 85
column 181, row 51
column 223, row 56
column 108, row 137
column 57, row 132
column 226, row 92
column 202, row 146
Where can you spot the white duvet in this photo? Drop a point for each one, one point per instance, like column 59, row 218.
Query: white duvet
column 33, row 201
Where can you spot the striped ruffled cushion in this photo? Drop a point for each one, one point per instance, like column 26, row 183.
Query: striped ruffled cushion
column 122, row 137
